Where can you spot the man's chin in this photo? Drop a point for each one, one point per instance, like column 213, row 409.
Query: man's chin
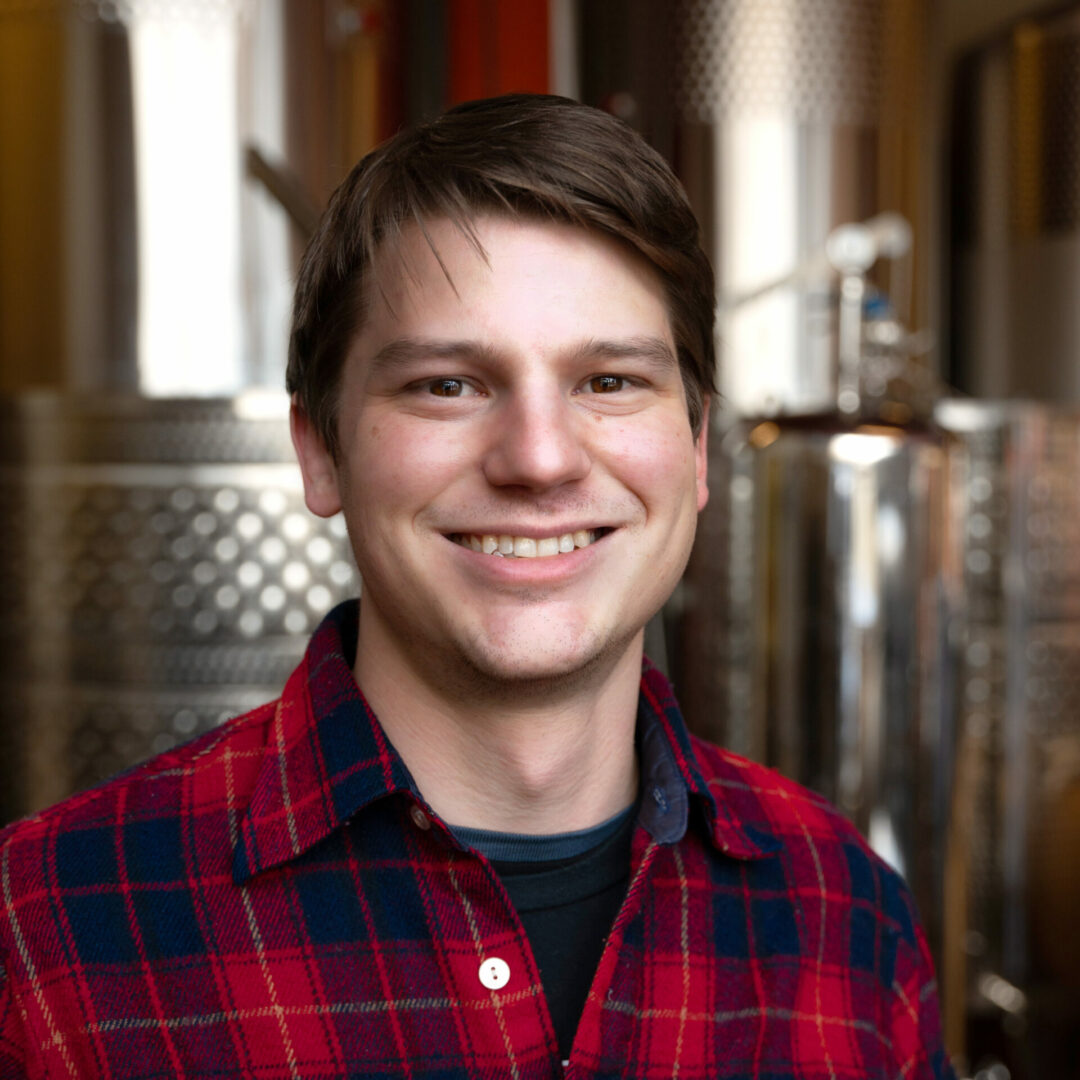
column 534, row 666
column 503, row 655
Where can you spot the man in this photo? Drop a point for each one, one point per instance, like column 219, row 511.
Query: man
column 473, row 837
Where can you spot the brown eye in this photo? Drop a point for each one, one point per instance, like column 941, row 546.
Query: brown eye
column 447, row 387
column 606, row 384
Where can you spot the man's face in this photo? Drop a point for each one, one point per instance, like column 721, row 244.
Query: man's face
column 530, row 399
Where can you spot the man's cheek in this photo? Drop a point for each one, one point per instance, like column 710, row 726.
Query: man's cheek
column 409, row 455
column 657, row 456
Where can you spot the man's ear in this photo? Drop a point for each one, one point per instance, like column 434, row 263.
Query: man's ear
column 701, row 456
column 317, row 465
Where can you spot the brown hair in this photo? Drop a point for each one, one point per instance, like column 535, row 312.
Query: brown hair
column 523, row 155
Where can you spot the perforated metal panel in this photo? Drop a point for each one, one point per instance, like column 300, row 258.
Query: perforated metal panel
column 816, row 60
column 147, row 592
column 232, row 555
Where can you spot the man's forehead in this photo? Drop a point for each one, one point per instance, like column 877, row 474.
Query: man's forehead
column 408, row 256
column 450, row 243
column 444, row 288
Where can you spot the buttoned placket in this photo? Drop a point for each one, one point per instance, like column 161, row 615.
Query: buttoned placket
column 496, row 974
column 501, row 972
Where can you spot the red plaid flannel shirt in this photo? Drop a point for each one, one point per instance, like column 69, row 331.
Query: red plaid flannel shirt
column 275, row 899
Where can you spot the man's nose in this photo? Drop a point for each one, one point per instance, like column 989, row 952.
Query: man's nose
column 537, row 443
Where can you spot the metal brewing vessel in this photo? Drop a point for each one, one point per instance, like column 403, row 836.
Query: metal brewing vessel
column 1013, row 963
column 830, row 570
column 158, row 573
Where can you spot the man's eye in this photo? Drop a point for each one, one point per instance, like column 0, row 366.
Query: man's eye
column 606, row 384
column 447, row 387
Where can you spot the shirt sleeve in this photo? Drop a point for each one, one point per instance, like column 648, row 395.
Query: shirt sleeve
column 916, row 1032
column 12, row 1032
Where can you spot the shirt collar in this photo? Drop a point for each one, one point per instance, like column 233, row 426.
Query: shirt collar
column 327, row 757
column 673, row 783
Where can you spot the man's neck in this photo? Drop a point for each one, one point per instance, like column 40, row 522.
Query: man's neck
column 519, row 762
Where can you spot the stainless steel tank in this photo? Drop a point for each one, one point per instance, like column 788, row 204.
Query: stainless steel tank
column 821, row 609
column 821, row 593
column 1013, row 962
column 158, row 573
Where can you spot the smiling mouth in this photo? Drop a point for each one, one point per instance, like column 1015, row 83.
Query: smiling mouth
column 528, row 547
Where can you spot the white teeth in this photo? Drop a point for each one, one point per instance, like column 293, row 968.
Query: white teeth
column 524, row 547
column 527, row 547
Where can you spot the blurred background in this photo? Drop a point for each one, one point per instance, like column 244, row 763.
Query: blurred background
column 884, row 599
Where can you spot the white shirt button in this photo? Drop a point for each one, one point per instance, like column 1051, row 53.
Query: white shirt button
column 494, row 973
column 419, row 818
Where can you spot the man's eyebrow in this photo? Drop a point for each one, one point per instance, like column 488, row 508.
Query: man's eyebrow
column 657, row 352
column 404, row 350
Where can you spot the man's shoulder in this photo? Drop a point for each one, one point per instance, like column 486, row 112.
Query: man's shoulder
column 826, row 895
column 820, row 849
column 761, row 795
column 212, row 772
